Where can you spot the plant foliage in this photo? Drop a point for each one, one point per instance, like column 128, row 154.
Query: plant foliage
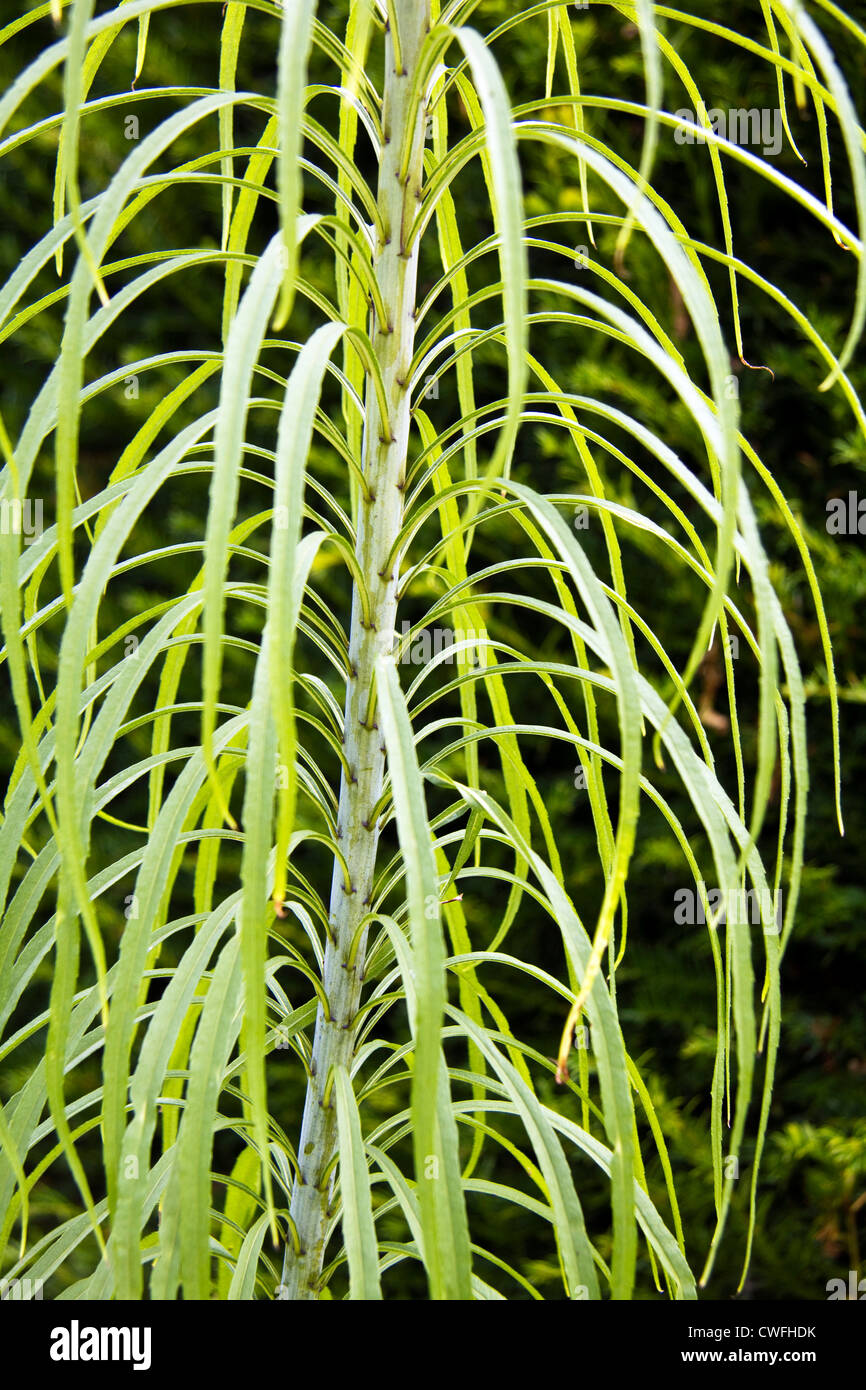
column 344, row 836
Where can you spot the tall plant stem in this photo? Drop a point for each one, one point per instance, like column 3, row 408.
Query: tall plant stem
column 379, row 519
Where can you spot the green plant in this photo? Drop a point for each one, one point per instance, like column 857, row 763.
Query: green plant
column 313, row 814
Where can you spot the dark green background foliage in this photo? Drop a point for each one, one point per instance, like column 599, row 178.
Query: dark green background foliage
column 815, row 1165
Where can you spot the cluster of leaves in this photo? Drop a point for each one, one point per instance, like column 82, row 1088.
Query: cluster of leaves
column 588, row 359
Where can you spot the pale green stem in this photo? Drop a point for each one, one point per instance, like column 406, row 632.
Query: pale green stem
column 379, row 520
